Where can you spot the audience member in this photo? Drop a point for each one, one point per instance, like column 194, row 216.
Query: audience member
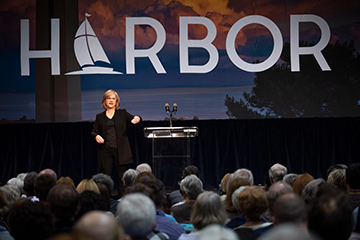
column 334, row 167
column 223, row 186
column 90, row 200
column 355, row 235
column 141, row 188
column 329, row 216
column 217, row 232
column 109, row 183
column 241, row 173
column 63, row 202
column 310, row 189
column 285, row 232
column 11, row 193
column 253, row 204
column 4, row 210
column 30, row 220
column 66, row 180
column 143, row 167
column 277, row 172
column 338, row 178
column 207, row 210
column 232, row 186
column 290, row 208
column 163, row 223
column 98, row 225
column 136, row 213
column 191, row 186
column 17, row 182
column 87, row 185
column 239, row 219
column 21, row 176
column 176, row 196
column 49, row 171
column 353, row 184
column 29, row 182
column 276, row 190
column 129, row 177
column 105, row 193
column 290, row 178
column 43, row 184
column 300, row 182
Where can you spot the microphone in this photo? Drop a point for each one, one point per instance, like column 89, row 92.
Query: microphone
column 174, row 107
column 167, row 108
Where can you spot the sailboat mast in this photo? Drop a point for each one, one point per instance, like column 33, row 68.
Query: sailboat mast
column 86, row 37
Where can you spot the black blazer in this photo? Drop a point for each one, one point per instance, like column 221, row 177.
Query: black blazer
column 121, row 117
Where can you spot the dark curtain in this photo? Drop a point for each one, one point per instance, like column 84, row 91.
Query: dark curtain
column 303, row 145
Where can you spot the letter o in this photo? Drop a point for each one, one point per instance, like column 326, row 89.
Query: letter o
column 231, row 37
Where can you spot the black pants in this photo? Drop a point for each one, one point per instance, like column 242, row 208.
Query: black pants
column 111, row 159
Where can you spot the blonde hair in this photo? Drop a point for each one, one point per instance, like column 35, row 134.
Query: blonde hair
column 106, row 95
column 87, row 184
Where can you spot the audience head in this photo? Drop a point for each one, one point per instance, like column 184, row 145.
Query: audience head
column 11, row 193
column 310, row 189
column 87, row 185
column 277, row 172
column 285, row 232
column 98, row 225
column 104, row 179
column 300, row 182
column 232, row 186
column 208, row 209
column 224, row 182
column 191, row 186
column 217, row 232
column 21, row 176
column 253, row 202
column 136, row 213
column 42, row 186
column 66, row 180
column 141, row 188
column 17, row 182
column 144, row 177
column 29, row 182
column 290, row 178
column 335, row 167
column 63, row 202
column 190, row 169
column 241, row 173
column 129, row 177
column 50, row 172
column 330, row 217
column 30, row 220
column 290, row 207
column 234, row 199
column 338, row 178
column 143, row 167
column 275, row 191
column 90, row 200
column 353, row 176
column 4, row 205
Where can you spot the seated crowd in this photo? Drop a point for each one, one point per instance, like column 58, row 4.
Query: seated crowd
column 287, row 206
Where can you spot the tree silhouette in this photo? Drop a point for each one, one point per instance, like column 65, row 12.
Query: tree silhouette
column 280, row 93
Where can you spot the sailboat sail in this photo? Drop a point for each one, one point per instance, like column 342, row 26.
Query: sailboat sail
column 87, row 46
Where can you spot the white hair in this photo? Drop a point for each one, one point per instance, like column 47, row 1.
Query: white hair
column 192, row 186
column 217, row 232
column 241, row 173
column 136, row 213
column 143, row 167
column 17, row 182
column 277, row 172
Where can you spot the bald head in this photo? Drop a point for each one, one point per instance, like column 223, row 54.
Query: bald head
column 49, row 171
column 98, row 225
column 275, row 191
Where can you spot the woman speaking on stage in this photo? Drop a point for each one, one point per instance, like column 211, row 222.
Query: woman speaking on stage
column 109, row 131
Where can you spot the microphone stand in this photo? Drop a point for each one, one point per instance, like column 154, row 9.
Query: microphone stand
column 168, row 111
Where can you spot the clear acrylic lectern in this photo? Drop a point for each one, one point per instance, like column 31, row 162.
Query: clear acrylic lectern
column 170, row 143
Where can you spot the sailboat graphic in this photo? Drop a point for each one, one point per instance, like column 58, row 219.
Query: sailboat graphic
column 88, row 51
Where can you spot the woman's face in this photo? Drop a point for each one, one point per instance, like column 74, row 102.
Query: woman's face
column 111, row 101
